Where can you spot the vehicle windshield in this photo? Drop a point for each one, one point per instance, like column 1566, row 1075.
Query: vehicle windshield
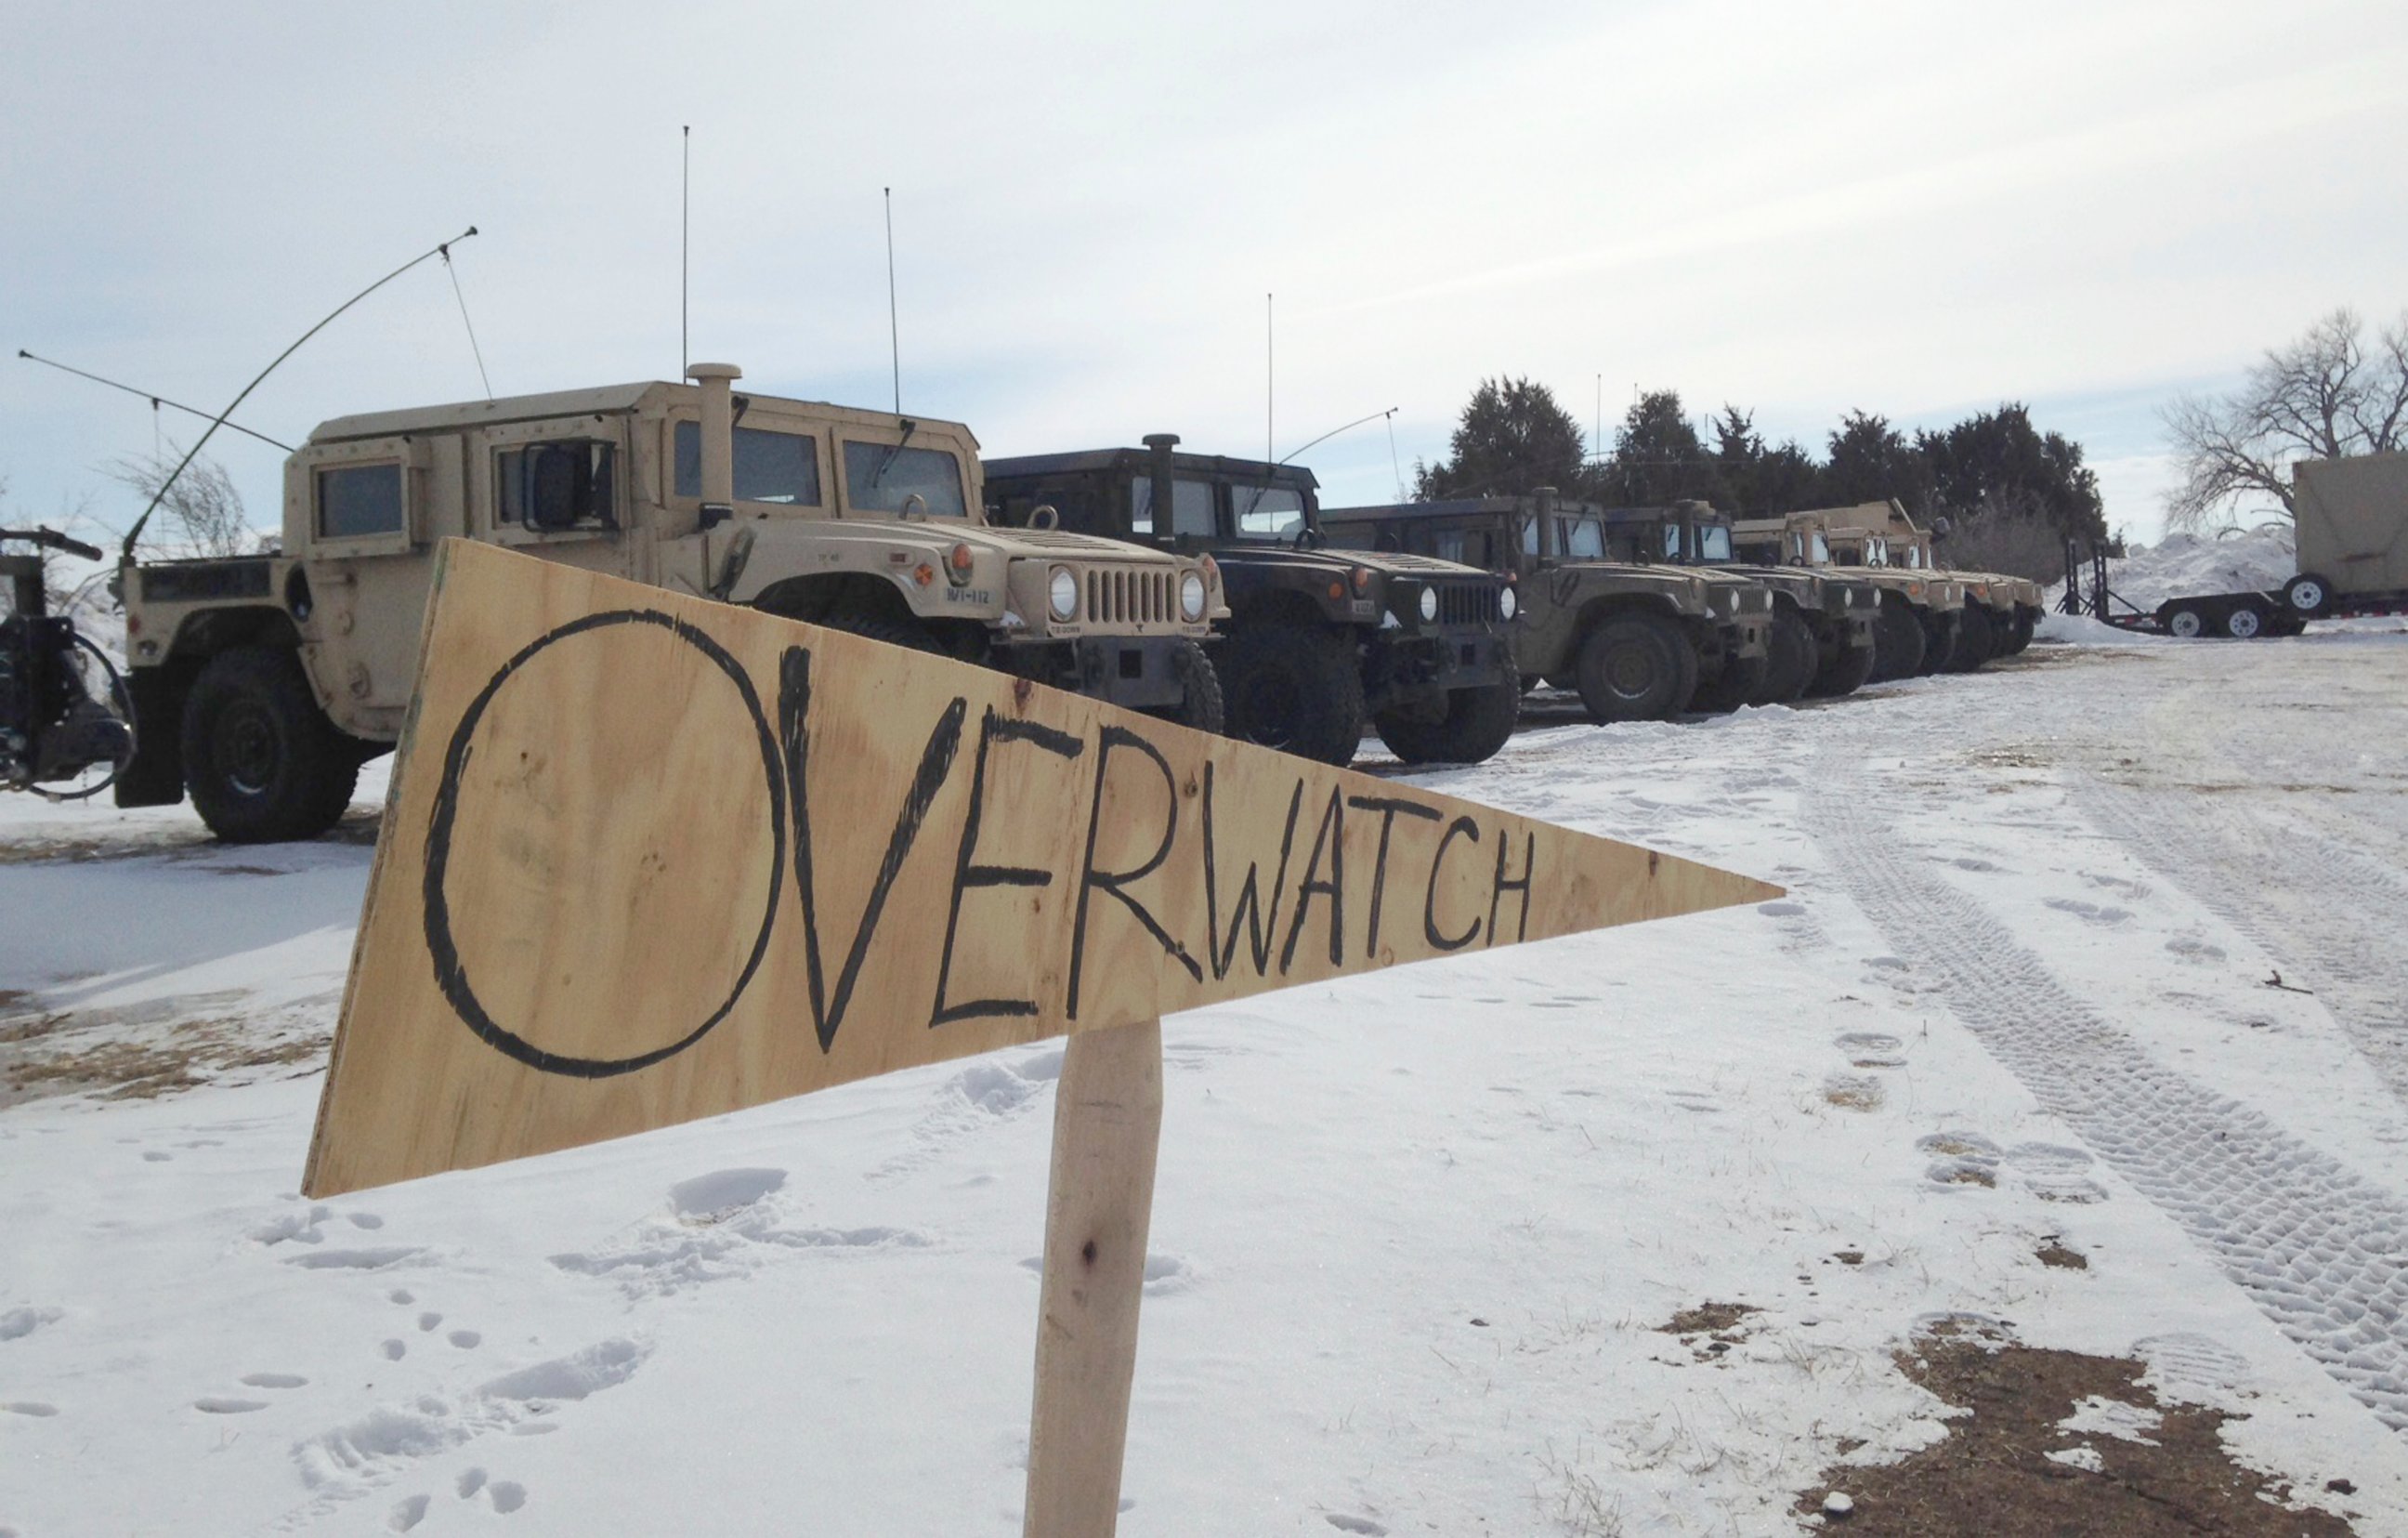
column 1268, row 514
column 1191, row 506
column 1584, row 538
column 1822, row 548
column 1714, row 543
column 1672, row 542
column 884, row 477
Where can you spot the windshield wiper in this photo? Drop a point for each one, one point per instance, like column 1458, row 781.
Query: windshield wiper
column 893, row 453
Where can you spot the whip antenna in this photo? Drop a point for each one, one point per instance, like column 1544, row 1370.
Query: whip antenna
column 156, row 401
column 126, row 552
column 685, row 240
column 479, row 351
column 1269, row 376
column 893, row 335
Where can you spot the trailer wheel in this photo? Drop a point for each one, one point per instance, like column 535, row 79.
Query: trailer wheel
column 262, row 761
column 2247, row 623
column 2185, row 624
column 2309, row 596
column 1296, row 689
column 1636, row 667
column 1478, row 722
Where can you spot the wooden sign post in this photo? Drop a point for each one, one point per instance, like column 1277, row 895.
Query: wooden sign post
column 649, row 858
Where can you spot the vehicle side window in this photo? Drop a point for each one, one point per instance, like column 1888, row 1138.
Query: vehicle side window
column 1191, row 506
column 770, row 466
column 1587, row 542
column 1529, row 537
column 1267, row 513
column 1822, row 549
column 359, row 499
column 1672, row 542
column 883, row 477
column 555, row 487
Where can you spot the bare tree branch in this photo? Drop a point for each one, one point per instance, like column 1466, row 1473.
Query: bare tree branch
column 2322, row 396
column 203, row 502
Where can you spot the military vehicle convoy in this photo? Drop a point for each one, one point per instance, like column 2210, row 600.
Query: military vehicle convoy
column 1316, row 644
column 1999, row 611
column 1821, row 640
column 1637, row 642
column 1916, row 627
column 260, row 683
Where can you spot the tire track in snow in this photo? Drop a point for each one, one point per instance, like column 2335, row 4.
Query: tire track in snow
column 2329, row 916
column 2323, row 1253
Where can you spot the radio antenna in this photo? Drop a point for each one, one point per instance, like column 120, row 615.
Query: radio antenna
column 1271, row 375
column 126, row 552
column 156, row 401
column 685, row 240
column 894, row 332
column 487, row 379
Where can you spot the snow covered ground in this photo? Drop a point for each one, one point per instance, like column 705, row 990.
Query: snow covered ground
column 1414, row 1235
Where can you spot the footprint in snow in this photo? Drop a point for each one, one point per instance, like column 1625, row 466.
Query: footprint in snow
column 466, row 1339
column 507, row 1495
column 1871, row 1049
column 35, row 1408
column 1363, row 1525
column 155, row 1156
column 2192, row 948
column 471, row 1481
column 19, row 1323
column 274, row 1380
column 429, row 1321
column 2094, row 912
column 394, row 1350
column 407, row 1514
column 229, row 1406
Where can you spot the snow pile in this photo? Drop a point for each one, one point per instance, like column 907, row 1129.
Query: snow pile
column 2258, row 561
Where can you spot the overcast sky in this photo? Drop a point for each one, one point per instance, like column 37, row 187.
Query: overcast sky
column 1917, row 210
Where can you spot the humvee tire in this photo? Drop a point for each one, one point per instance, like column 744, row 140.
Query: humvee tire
column 1898, row 640
column 1739, row 683
column 1479, row 721
column 1296, row 689
column 1940, row 641
column 1790, row 658
column 262, row 762
column 1199, row 700
column 1636, row 667
column 1977, row 639
column 2025, row 621
column 1846, row 673
column 909, row 637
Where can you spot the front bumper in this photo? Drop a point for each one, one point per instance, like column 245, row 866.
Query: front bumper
column 1141, row 672
column 1403, row 668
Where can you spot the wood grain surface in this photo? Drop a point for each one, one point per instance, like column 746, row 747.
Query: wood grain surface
column 649, row 858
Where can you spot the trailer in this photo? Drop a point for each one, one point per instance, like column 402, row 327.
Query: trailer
column 2352, row 520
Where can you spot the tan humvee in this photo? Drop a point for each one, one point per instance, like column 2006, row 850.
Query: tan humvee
column 261, row 682
column 1916, row 628
column 2000, row 610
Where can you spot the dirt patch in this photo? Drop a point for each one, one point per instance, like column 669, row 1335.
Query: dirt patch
column 66, row 1055
column 2136, row 1467
column 2054, row 1253
column 1854, row 1092
column 1710, row 1329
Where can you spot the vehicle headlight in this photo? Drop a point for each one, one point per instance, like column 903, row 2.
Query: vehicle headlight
column 1062, row 594
column 1507, row 603
column 1429, row 604
column 1191, row 595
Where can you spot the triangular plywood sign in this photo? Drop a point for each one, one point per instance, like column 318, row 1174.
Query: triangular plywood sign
column 649, row 858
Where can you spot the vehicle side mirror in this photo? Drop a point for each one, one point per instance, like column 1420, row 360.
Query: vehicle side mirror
column 559, row 485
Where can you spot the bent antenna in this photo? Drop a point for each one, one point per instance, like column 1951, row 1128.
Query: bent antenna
column 126, row 552
column 154, row 401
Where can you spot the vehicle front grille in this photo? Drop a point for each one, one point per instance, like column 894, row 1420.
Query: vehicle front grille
column 1130, row 596
column 1468, row 603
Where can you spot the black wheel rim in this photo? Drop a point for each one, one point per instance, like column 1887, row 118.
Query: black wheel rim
column 1269, row 708
column 1629, row 671
column 247, row 748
